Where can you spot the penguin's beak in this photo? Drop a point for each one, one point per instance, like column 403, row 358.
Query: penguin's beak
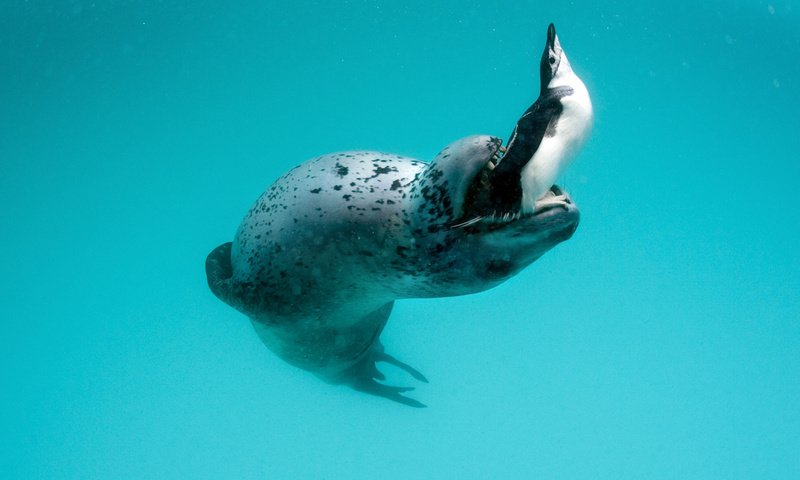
column 552, row 40
column 551, row 36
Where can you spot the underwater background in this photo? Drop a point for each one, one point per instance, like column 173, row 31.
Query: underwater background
column 662, row 341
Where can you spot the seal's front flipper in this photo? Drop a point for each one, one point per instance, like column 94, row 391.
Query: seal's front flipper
column 363, row 374
column 385, row 357
column 372, row 387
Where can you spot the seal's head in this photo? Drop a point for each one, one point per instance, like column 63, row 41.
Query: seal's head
column 464, row 243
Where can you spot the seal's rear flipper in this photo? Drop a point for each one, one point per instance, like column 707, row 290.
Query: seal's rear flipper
column 219, row 271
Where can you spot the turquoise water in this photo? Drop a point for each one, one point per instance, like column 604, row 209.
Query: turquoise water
column 661, row 341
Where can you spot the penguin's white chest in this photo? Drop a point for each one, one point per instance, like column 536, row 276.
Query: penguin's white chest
column 558, row 148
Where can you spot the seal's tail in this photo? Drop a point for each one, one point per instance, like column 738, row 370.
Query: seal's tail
column 219, row 271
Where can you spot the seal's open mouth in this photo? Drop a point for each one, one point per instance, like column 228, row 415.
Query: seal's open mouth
column 492, row 200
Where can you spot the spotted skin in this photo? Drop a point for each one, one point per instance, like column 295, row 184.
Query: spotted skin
column 322, row 255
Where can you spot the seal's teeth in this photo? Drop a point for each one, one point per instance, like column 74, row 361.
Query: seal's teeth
column 494, row 217
column 467, row 223
column 491, row 164
column 497, row 156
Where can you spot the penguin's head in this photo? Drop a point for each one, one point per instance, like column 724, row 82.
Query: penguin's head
column 554, row 67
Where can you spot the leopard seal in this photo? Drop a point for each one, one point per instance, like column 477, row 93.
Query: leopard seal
column 323, row 254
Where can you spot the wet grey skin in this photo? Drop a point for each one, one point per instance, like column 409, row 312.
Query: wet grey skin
column 323, row 254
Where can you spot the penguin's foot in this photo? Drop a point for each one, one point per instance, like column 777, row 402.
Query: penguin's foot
column 553, row 197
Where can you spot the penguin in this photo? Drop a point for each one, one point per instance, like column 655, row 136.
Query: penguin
column 544, row 142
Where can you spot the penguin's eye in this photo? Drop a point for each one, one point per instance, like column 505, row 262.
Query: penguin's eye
column 552, row 60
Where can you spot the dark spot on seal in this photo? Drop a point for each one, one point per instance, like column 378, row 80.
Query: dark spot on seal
column 395, row 185
column 316, row 190
column 378, row 171
column 341, row 170
column 347, row 197
column 337, row 187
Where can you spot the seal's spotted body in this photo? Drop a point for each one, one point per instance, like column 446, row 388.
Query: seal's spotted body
column 321, row 256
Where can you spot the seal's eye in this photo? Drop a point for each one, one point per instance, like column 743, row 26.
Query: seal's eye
column 552, row 60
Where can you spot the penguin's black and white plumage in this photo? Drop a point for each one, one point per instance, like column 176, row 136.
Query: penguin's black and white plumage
column 545, row 140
